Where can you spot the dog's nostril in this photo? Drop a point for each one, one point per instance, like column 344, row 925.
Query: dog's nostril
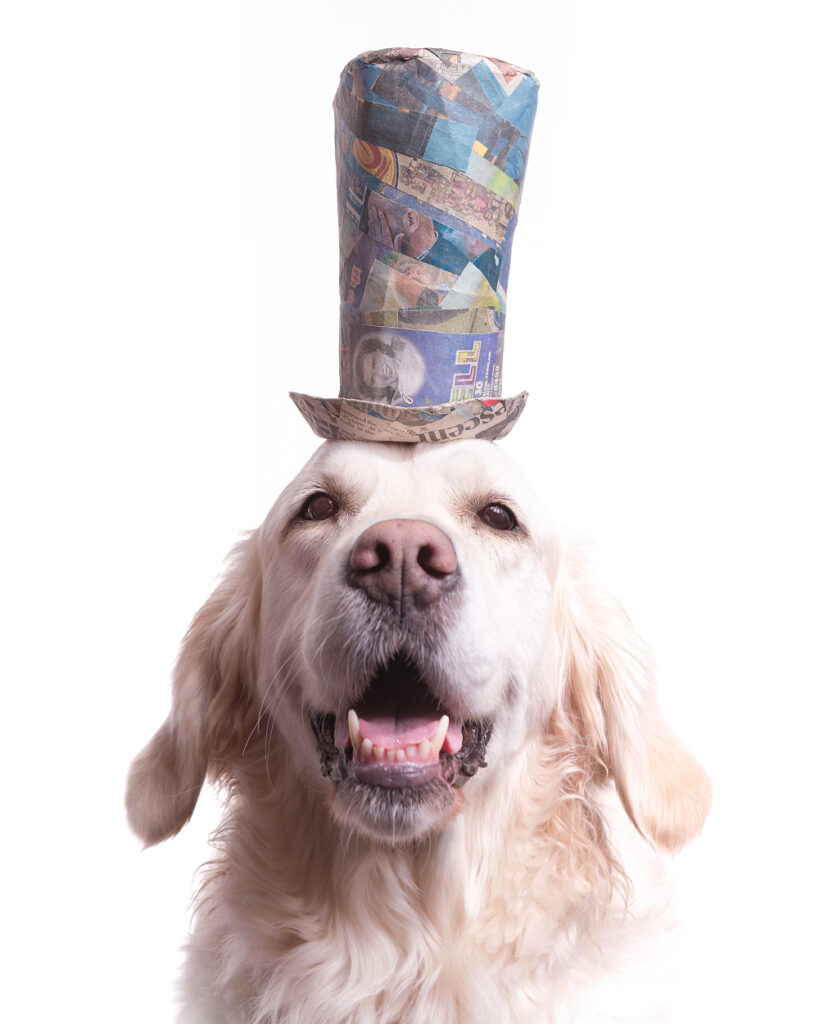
column 436, row 560
column 382, row 555
column 370, row 555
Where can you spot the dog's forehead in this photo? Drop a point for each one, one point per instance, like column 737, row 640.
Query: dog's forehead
column 370, row 468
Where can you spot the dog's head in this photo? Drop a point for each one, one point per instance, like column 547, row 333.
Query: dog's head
column 406, row 623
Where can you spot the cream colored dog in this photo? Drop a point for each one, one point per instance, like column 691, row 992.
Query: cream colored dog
column 422, row 709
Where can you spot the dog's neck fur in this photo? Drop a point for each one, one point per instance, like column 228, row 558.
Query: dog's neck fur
column 449, row 908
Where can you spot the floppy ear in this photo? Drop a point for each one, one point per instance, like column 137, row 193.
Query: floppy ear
column 212, row 713
column 608, row 699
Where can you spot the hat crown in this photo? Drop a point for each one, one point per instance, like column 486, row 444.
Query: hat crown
column 431, row 150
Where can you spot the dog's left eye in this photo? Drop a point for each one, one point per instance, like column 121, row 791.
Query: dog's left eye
column 498, row 516
column 319, row 507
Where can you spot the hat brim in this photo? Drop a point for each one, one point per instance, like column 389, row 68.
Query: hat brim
column 350, row 419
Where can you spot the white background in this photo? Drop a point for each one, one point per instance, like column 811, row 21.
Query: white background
column 169, row 273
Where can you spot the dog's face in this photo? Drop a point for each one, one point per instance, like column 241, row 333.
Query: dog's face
column 406, row 623
column 411, row 630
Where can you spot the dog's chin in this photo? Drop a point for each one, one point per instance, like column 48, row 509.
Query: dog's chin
column 393, row 814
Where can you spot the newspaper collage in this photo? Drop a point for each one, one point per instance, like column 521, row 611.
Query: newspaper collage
column 431, row 149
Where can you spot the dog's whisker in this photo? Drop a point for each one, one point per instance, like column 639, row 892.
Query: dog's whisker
column 262, row 702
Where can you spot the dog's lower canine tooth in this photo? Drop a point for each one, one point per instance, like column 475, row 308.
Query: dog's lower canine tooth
column 355, row 729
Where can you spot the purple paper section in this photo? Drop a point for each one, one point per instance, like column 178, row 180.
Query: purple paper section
column 407, row 368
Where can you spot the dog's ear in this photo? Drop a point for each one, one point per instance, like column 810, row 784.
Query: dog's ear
column 608, row 701
column 212, row 712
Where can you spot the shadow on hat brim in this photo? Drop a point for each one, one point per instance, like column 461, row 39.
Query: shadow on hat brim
column 350, row 419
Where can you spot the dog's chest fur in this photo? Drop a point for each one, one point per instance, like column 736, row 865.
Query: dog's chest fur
column 449, row 930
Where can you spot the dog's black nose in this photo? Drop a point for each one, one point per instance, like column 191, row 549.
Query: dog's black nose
column 403, row 560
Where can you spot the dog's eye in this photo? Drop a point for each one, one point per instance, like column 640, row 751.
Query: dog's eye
column 498, row 516
column 318, row 507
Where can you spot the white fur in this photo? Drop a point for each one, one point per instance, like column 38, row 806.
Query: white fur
column 535, row 900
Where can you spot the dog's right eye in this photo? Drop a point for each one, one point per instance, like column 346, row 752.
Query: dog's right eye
column 319, row 507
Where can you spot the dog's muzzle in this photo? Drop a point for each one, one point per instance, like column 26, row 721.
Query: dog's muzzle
column 396, row 750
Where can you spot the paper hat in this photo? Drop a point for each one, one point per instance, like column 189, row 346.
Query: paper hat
column 431, row 149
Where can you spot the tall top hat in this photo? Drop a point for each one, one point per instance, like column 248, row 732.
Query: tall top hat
column 431, row 149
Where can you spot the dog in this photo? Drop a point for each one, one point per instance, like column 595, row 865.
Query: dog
column 449, row 787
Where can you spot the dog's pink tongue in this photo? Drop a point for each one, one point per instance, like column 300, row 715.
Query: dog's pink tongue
column 391, row 733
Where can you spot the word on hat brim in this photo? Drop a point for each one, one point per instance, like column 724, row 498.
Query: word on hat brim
column 349, row 419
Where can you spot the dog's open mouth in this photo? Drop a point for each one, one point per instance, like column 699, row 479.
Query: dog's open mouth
column 399, row 737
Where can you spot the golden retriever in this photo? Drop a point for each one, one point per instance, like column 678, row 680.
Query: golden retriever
column 449, row 785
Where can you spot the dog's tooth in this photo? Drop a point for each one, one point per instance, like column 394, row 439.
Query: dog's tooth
column 390, row 756
column 378, row 753
column 366, row 749
column 411, row 751
column 437, row 740
column 424, row 750
column 355, row 728
column 400, row 754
